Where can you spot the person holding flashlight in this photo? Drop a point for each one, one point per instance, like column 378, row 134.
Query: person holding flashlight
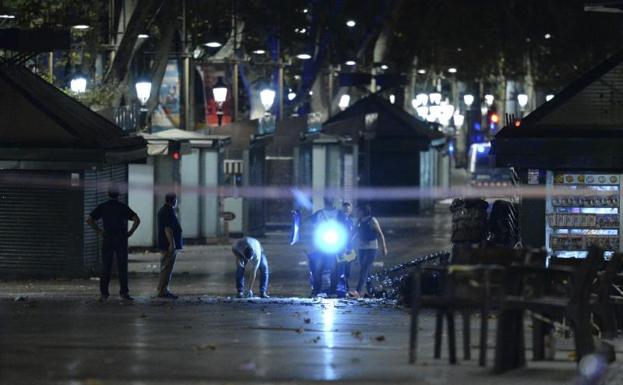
column 249, row 253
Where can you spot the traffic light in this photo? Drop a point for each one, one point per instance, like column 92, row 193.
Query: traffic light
column 175, row 150
column 493, row 119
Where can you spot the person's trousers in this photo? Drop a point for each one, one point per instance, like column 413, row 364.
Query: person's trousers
column 366, row 258
column 114, row 246
column 263, row 276
column 343, row 271
column 167, row 260
column 324, row 262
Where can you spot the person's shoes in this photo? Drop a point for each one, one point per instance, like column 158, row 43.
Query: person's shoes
column 167, row 295
column 240, row 295
column 264, row 295
column 126, row 297
column 103, row 298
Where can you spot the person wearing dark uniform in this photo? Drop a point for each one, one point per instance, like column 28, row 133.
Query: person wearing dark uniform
column 169, row 242
column 115, row 216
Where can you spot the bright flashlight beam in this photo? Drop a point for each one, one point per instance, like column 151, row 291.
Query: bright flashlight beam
column 302, row 199
column 330, row 237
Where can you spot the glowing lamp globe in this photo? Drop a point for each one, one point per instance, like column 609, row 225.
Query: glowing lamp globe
column 143, row 90
column 267, row 97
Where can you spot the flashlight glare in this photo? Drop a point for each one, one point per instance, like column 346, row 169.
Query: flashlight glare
column 330, row 237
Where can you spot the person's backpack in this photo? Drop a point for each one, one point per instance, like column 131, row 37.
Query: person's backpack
column 366, row 230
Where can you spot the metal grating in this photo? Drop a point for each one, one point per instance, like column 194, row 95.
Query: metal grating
column 36, row 233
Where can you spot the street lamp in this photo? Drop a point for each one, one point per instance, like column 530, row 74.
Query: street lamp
column 143, row 90
column 213, row 44
column 549, row 97
column 291, row 95
column 489, row 100
column 351, row 23
column 303, row 56
column 220, row 96
column 420, row 100
column 435, row 98
column 522, row 99
column 458, row 119
column 344, row 102
column 422, row 111
column 350, row 63
column 78, row 84
column 468, row 99
column 267, row 97
column 392, row 98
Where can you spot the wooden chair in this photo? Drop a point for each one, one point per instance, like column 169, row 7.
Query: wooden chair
column 464, row 288
column 519, row 296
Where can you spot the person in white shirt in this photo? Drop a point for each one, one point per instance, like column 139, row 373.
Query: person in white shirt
column 249, row 252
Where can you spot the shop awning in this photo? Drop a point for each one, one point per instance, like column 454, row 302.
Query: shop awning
column 581, row 128
column 196, row 139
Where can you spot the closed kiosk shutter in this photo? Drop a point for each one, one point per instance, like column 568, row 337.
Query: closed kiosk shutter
column 38, row 234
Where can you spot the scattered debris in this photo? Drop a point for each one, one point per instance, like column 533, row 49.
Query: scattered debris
column 357, row 334
column 380, row 338
column 204, row 347
column 307, row 320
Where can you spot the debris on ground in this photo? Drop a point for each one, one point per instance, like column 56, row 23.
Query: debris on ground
column 357, row 334
column 300, row 330
column 307, row 320
column 204, row 347
column 380, row 338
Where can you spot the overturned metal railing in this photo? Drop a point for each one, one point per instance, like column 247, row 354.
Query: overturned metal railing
column 389, row 283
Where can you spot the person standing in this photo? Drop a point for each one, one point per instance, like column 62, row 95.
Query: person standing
column 169, row 242
column 368, row 235
column 321, row 261
column 249, row 252
column 115, row 216
column 344, row 263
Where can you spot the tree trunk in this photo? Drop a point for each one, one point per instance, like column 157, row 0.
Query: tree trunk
column 126, row 48
column 161, row 59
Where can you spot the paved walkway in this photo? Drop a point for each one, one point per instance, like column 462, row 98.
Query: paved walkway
column 54, row 332
column 210, row 340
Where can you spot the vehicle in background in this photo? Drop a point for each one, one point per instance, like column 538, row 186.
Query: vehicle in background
column 481, row 171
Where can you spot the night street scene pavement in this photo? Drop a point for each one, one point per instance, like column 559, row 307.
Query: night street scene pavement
column 311, row 191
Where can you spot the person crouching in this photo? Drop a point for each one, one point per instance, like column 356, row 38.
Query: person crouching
column 249, row 252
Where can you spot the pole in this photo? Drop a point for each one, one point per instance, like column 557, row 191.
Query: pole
column 330, row 91
column 51, row 66
column 234, row 87
column 280, row 90
column 185, row 71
